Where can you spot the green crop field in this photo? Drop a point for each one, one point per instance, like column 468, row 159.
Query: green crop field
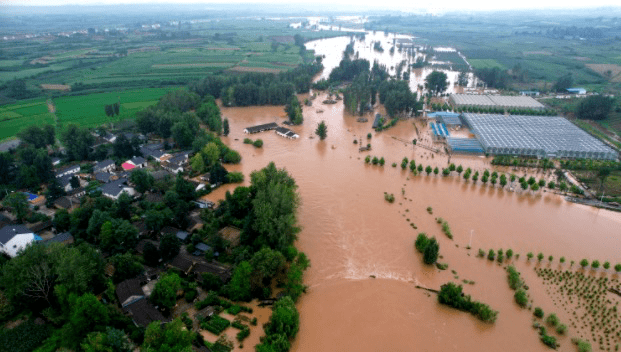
column 485, row 63
column 84, row 110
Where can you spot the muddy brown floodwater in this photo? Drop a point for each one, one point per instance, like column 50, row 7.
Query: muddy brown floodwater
column 350, row 233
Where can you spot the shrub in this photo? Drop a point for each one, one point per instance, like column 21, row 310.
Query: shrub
column 430, row 255
column 368, row 135
column 234, row 309
column 595, row 264
column 258, row 143
column 550, row 258
column 562, row 260
column 538, row 312
column 481, row 253
column 618, row 268
column 584, row 263
column 235, row 177
column 515, row 282
column 394, row 164
column 247, row 141
column 529, row 255
column 242, row 334
column 421, row 242
column 584, row 346
column 451, row 295
column 375, row 160
column 367, row 159
column 561, row 329
column 491, row 254
column 390, row 198
column 190, row 295
column 548, row 340
column 216, row 324
column 521, row 298
column 509, row 253
column 552, row 320
column 540, row 256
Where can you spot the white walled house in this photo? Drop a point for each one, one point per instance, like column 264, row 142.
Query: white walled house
column 68, row 170
column 14, row 238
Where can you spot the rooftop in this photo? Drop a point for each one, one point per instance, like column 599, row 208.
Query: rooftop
column 544, row 136
column 261, row 128
column 10, row 231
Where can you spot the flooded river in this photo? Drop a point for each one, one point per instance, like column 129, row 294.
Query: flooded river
column 350, row 234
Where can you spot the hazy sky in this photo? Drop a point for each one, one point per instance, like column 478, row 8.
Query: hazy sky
column 385, row 4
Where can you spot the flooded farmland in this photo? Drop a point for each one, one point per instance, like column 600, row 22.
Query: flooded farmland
column 362, row 282
column 351, row 234
column 331, row 50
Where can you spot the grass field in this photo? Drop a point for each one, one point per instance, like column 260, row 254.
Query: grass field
column 485, row 63
column 84, row 110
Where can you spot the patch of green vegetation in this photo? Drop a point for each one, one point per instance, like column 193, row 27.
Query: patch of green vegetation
column 485, row 63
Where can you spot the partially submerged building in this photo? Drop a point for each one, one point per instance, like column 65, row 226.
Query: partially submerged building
column 261, row 128
column 535, row 136
column 495, row 101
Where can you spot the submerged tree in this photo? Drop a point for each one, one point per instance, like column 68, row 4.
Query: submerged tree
column 436, row 82
column 322, row 130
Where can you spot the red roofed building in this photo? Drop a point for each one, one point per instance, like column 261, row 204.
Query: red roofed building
column 128, row 166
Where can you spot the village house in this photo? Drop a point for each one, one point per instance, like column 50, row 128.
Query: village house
column 135, row 305
column 287, row 133
column 260, row 128
column 68, row 170
column 116, row 188
column 107, row 165
column 14, row 238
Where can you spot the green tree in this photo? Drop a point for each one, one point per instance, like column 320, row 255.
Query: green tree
column 563, row 83
column 285, row 319
column 78, row 141
column 151, row 254
column 584, row 263
column 142, row 179
column 118, row 236
column 274, row 208
column 211, row 154
column 530, row 255
column 112, row 340
column 87, row 314
column 95, row 223
column 322, row 130
column 17, row 202
column 430, row 255
column 165, row 291
column 173, row 337
column 225, row 127
column 125, row 267
column 594, row 107
column 239, row 289
column 436, row 82
column 62, row 220
column 169, row 246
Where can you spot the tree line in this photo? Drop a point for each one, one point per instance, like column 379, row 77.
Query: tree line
column 258, row 88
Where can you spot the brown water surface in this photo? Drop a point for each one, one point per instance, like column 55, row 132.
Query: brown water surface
column 350, row 233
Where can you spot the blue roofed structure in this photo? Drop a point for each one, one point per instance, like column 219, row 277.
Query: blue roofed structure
column 465, row 145
column 446, row 117
column 439, row 130
column 576, row 90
